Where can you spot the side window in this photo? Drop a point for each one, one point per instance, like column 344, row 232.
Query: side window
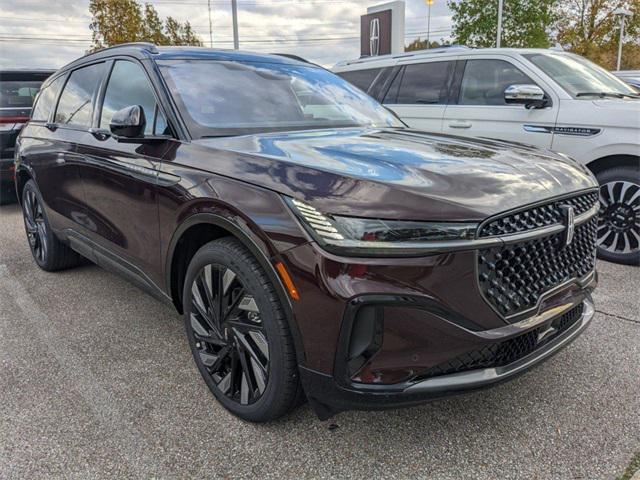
column 128, row 85
column 46, row 100
column 484, row 81
column 421, row 83
column 361, row 78
column 75, row 106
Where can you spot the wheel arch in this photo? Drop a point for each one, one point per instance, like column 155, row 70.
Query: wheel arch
column 23, row 175
column 201, row 228
column 611, row 161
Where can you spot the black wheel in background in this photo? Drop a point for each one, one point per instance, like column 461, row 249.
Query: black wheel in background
column 49, row 253
column 238, row 333
column 619, row 222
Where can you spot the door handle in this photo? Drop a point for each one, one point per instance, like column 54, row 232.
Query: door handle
column 460, row 124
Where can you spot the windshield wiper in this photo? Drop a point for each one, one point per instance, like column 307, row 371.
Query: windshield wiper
column 606, row 94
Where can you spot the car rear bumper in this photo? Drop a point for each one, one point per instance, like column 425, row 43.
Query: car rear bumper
column 7, row 169
column 329, row 395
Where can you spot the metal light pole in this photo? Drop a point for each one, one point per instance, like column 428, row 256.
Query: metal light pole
column 234, row 12
column 499, row 33
column 429, row 3
column 210, row 27
column 621, row 13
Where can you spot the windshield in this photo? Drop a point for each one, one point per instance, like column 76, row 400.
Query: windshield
column 220, row 98
column 18, row 94
column 578, row 76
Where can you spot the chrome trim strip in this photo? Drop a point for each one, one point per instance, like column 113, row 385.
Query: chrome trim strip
column 533, row 205
column 540, row 317
column 592, row 212
column 486, row 376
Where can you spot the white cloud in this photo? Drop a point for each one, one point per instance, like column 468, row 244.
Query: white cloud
column 324, row 31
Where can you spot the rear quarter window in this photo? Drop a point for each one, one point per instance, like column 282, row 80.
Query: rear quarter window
column 46, row 100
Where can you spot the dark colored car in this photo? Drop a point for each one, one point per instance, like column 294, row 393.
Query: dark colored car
column 18, row 88
column 313, row 243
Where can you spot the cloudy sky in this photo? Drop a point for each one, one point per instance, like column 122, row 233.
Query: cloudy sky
column 50, row 33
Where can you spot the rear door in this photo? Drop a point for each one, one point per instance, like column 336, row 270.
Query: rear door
column 479, row 109
column 419, row 93
column 52, row 144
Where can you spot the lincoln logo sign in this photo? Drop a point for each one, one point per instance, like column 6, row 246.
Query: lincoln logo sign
column 374, row 36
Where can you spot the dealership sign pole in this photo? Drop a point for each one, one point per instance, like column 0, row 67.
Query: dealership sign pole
column 499, row 33
column 429, row 3
column 234, row 12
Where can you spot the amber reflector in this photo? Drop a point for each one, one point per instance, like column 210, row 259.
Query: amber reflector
column 286, row 279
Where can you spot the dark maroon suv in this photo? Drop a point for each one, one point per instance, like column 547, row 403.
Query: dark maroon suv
column 314, row 244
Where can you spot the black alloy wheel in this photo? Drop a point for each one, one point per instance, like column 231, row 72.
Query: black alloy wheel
column 230, row 337
column 619, row 221
column 36, row 226
column 48, row 251
column 238, row 332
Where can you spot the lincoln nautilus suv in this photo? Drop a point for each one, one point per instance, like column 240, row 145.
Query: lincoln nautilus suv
column 315, row 245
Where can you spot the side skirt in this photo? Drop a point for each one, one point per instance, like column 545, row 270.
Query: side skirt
column 113, row 263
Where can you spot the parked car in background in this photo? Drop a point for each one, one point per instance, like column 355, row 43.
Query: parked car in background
column 632, row 77
column 550, row 99
column 311, row 241
column 18, row 88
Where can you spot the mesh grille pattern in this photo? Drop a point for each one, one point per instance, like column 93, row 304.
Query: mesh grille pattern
column 504, row 353
column 513, row 277
column 539, row 216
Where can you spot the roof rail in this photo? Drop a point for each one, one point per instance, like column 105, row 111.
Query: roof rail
column 148, row 46
column 443, row 49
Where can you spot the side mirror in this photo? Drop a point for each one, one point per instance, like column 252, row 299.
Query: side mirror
column 529, row 95
column 128, row 122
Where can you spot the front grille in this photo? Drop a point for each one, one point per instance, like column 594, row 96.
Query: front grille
column 514, row 276
column 538, row 216
column 509, row 351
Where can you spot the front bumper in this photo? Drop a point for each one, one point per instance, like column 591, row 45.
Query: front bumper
column 328, row 395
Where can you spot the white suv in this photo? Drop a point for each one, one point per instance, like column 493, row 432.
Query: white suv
column 551, row 99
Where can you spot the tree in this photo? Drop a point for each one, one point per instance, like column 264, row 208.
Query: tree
column 121, row 21
column 525, row 23
column 419, row 44
column 589, row 28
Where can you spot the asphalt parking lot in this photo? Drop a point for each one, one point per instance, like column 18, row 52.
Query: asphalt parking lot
column 97, row 381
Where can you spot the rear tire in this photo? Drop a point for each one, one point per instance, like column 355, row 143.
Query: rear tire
column 48, row 251
column 238, row 333
column 619, row 222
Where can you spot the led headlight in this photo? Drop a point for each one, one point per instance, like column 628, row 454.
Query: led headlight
column 367, row 236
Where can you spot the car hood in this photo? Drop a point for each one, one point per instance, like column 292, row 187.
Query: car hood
column 399, row 173
column 618, row 112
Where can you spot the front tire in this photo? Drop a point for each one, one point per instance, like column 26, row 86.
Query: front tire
column 49, row 253
column 619, row 222
column 238, row 332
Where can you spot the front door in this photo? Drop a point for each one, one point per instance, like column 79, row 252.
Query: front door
column 480, row 110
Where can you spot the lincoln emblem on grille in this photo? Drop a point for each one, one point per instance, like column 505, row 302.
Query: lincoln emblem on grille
column 569, row 223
